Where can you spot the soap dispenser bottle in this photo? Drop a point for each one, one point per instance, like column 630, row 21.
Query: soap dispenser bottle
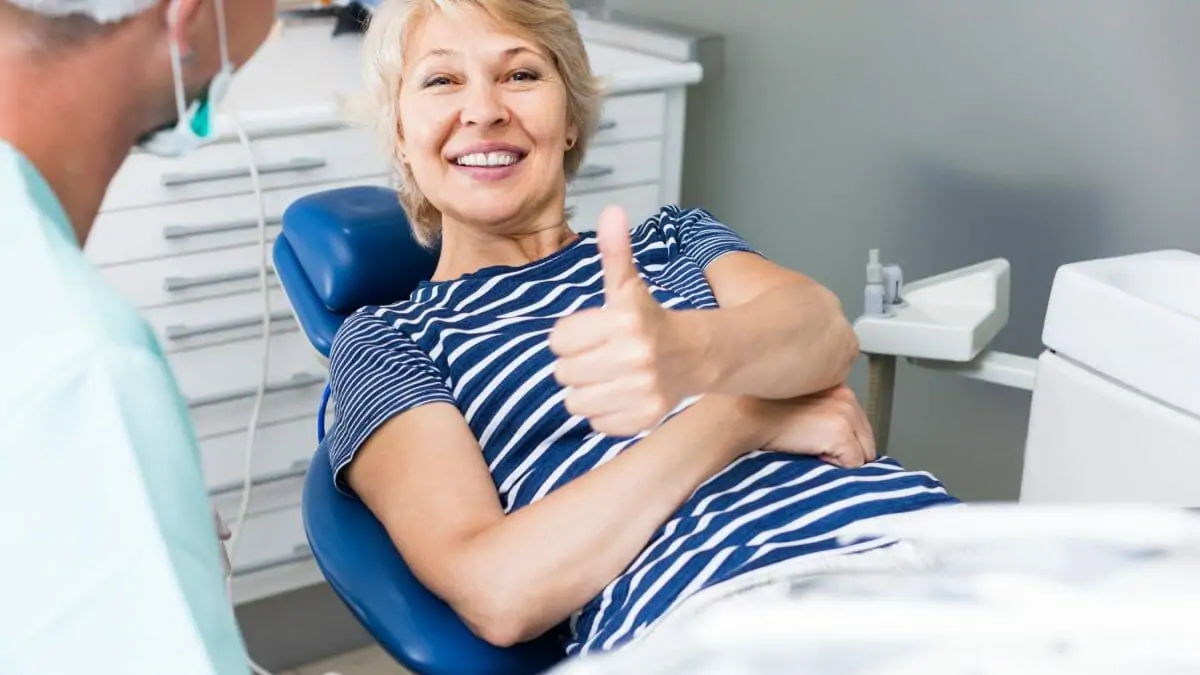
column 874, row 294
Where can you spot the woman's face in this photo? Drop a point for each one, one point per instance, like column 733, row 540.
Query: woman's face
column 483, row 124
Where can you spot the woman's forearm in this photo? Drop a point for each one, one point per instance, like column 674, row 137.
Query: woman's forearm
column 554, row 555
column 789, row 341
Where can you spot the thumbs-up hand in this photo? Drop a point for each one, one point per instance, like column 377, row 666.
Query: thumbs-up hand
column 628, row 364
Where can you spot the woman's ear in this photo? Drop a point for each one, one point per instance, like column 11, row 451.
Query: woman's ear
column 399, row 142
column 572, row 135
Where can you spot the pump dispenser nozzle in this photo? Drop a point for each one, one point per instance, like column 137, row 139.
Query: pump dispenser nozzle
column 874, row 268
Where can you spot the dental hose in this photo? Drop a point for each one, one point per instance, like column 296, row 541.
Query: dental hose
column 881, row 383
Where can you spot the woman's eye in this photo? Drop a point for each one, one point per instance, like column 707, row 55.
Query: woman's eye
column 437, row 81
column 524, row 76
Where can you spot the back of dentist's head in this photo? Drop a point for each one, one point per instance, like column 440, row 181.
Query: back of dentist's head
column 178, row 56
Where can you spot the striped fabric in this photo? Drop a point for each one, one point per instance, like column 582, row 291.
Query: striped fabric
column 480, row 342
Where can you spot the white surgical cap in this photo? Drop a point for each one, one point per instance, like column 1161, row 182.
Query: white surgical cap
column 104, row 11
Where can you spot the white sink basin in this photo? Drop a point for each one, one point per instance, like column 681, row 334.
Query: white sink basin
column 1134, row 319
column 949, row 317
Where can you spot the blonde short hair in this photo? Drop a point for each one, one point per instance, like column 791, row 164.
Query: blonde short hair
column 547, row 23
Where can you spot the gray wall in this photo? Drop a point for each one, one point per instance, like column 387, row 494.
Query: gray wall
column 945, row 133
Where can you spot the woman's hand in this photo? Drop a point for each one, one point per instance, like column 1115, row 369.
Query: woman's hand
column 630, row 363
column 830, row 425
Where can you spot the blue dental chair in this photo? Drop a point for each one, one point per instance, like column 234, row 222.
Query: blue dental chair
column 340, row 250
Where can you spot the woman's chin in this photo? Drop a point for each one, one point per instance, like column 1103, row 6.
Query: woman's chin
column 500, row 215
column 493, row 218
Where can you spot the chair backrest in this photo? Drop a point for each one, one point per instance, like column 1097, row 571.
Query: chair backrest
column 343, row 249
column 340, row 250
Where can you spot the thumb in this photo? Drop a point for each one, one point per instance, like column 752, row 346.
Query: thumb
column 616, row 251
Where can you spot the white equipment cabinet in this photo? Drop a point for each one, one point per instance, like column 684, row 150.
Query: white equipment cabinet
column 179, row 239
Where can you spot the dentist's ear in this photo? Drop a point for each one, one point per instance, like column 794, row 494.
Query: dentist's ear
column 178, row 16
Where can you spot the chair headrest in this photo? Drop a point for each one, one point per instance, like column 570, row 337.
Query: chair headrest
column 356, row 247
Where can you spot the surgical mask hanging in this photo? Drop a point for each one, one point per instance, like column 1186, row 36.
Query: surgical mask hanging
column 196, row 124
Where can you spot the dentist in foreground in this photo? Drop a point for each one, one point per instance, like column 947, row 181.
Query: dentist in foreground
column 111, row 560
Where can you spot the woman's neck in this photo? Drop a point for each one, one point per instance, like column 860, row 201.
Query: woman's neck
column 466, row 249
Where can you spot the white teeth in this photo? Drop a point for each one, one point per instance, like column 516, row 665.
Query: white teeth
column 488, row 159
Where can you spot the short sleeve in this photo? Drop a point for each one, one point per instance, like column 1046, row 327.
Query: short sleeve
column 700, row 237
column 375, row 373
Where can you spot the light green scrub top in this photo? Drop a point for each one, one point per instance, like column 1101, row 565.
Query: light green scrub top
column 109, row 560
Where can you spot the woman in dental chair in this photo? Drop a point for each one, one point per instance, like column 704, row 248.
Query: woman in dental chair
column 588, row 431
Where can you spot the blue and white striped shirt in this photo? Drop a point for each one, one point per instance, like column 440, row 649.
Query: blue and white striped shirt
column 481, row 343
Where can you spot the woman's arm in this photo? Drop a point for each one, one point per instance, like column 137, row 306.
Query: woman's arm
column 777, row 335
column 512, row 577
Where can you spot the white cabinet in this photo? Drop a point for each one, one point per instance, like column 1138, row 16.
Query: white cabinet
column 222, row 169
column 179, row 239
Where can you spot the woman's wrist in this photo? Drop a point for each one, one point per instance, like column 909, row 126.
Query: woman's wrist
column 760, row 419
column 744, row 420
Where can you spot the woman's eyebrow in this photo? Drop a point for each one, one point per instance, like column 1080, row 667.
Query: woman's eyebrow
column 518, row 50
column 506, row 54
column 436, row 52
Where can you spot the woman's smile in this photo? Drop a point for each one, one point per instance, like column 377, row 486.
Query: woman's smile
column 488, row 161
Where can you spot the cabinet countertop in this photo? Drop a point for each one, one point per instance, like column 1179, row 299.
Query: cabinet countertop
column 303, row 77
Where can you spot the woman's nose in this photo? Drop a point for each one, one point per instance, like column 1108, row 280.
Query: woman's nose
column 484, row 106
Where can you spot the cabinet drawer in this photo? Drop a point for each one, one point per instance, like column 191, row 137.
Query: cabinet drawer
column 640, row 202
column 264, row 498
column 281, row 453
column 230, row 372
column 610, row 166
column 632, row 117
column 271, row 540
column 189, row 227
column 233, row 415
column 203, row 323
column 165, row 281
column 220, row 169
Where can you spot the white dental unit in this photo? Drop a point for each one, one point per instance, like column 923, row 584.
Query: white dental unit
column 1115, row 414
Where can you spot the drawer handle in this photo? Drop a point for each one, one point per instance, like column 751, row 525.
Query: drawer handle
column 174, row 284
column 297, row 381
column 595, row 171
column 184, row 231
column 184, row 332
column 177, row 178
column 607, row 125
column 299, row 554
column 296, row 470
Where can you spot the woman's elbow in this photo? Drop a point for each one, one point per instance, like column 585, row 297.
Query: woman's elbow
column 498, row 617
column 849, row 349
column 503, row 630
column 843, row 342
